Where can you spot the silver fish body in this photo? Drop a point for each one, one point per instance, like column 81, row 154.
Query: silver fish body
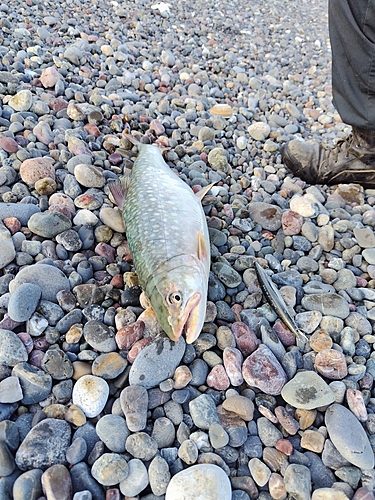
column 168, row 237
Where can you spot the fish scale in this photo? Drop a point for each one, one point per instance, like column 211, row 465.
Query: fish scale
column 161, row 214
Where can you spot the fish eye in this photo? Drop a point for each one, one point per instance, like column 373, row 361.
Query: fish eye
column 174, row 298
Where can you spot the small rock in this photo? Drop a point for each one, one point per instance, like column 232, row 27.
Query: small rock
column 56, row 482
column 137, row 479
column 331, row 364
column 261, row 369
column 134, row 404
column 110, row 469
column 307, row 391
column 90, row 393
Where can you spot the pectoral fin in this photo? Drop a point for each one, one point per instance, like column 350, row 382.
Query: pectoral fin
column 119, row 189
column 202, row 193
column 203, row 250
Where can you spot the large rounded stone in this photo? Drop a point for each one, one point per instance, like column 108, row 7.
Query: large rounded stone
column 307, row 391
column 203, row 481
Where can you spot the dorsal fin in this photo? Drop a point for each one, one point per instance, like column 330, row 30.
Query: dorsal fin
column 202, row 193
column 119, row 189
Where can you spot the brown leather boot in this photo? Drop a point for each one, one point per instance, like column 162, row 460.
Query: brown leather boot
column 351, row 160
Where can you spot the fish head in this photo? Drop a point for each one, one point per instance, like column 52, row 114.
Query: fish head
column 179, row 300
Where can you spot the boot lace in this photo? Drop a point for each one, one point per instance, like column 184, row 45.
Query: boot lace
column 329, row 153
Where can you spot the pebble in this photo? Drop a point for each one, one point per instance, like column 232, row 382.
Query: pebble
column 110, row 469
column 297, row 480
column 136, row 480
column 156, row 362
column 262, row 370
column 331, row 364
column 28, row 485
column 134, row 404
column 8, row 252
column 190, row 482
column 90, row 393
column 56, row 482
column 36, row 384
column 307, row 390
column 45, row 445
column 354, row 444
column 12, row 349
column 203, row 411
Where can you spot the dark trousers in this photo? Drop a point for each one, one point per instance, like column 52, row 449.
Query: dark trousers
column 352, row 34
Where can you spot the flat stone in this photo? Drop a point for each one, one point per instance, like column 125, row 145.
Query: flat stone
column 10, row 390
column 24, row 301
column 45, row 445
column 308, row 391
column 36, row 384
column 207, row 481
column 48, row 224
column 110, row 469
column 28, row 485
column 21, row 211
column 156, row 362
column 113, row 431
column 203, row 411
column 240, row 405
column 56, row 482
column 329, row 304
column 353, row 444
column 134, row 404
column 49, row 278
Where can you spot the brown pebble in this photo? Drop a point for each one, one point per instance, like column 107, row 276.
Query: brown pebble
column 181, row 377
column 305, row 417
column 112, row 494
column 45, row 186
column 331, row 364
column 275, row 459
column 74, row 334
column 233, row 359
column 74, row 415
column 117, row 281
column 241, row 406
column 57, row 483
column 8, row 144
column 109, row 365
column 313, row 441
column 55, row 411
column 320, row 340
column 80, row 368
column 245, row 483
column 49, row 77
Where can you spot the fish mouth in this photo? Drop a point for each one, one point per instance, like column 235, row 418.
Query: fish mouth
column 189, row 320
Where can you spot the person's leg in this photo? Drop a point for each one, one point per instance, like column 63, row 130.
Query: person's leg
column 352, row 35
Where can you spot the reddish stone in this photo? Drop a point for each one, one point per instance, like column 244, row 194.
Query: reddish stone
column 8, row 144
column 262, row 370
column 287, row 338
column 331, row 364
column 137, row 348
column 92, row 129
column 105, row 251
column 115, row 159
column 27, row 341
column 58, row 104
column 117, row 281
column 289, row 423
column 36, row 358
column 228, row 211
column 218, row 379
column 233, row 359
column 21, row 141
column 129, row 334
column 361, row 282
column 284, row 446
column 112, row 494
column 246, row 339
column 41, row 344
column 12, row 224
column 291, row 223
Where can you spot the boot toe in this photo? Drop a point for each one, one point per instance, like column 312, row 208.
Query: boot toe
column 302, row 158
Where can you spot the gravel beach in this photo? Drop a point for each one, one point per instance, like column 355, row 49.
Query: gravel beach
column 95, row 403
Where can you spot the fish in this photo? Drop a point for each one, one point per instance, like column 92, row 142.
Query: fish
column 277, row 303
column 168, row 237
